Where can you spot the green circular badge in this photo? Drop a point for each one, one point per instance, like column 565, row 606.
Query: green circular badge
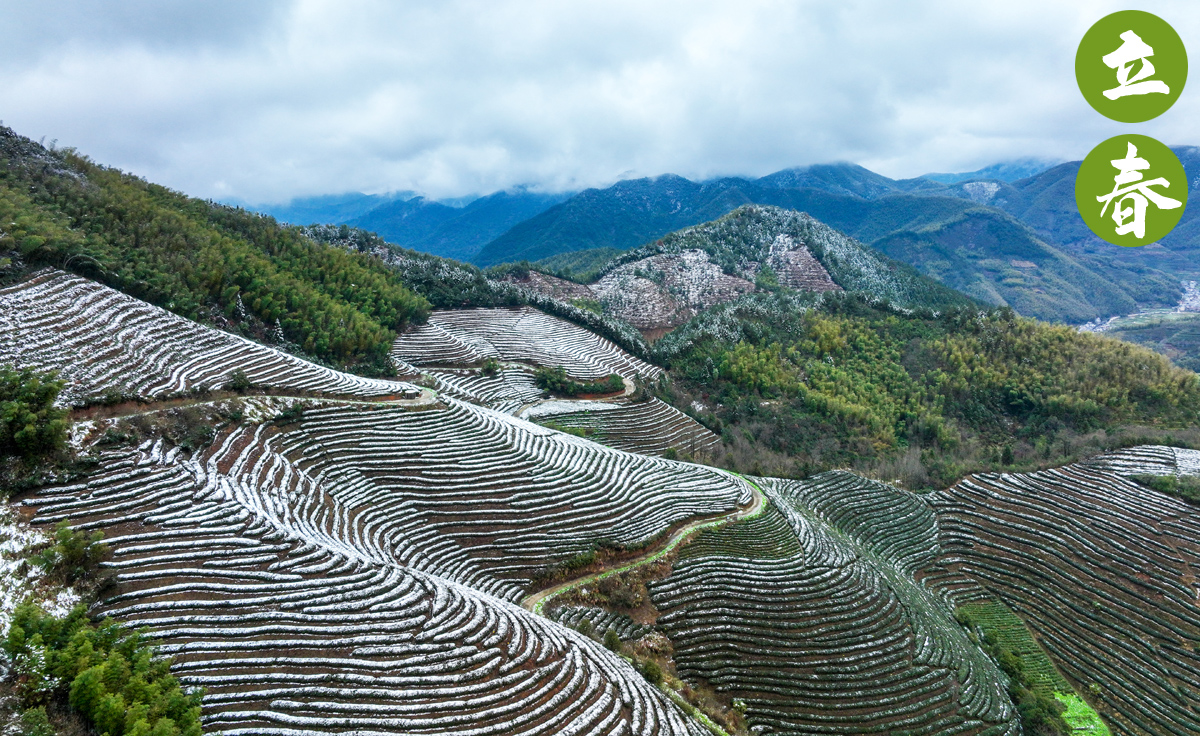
column 1131, row 190
column 1131, row 66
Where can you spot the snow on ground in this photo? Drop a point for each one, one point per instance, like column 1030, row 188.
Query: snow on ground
column 1191, row 298
column 551, row 408
column 1187, row 462
column 16, row 539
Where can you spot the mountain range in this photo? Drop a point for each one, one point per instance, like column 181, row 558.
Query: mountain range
column 1015, row 242
column 452, row 229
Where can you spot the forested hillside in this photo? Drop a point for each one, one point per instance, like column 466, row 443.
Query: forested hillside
column 801, row 383
column 207, row 262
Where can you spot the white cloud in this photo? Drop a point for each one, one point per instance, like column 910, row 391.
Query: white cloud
column 264, row 102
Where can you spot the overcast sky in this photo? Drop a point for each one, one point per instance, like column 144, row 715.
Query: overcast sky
column 262, row 102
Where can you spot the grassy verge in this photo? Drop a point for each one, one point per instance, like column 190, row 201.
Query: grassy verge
column 1080, row 717
column 1006, row 638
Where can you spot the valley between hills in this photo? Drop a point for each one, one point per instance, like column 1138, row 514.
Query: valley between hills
column 273, row 480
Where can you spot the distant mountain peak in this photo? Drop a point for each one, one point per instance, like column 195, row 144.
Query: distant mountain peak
column 1006, row 171
column 838, row 178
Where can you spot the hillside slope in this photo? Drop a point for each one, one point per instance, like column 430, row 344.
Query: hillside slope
column 454, row 347
column 107, row 344
column 798, row 384
column 663, row 284
column 1046, row 203
column 788, row 242
column 1102, row 570
column 346, row 539
column 203, row 261
column 319, row 564
column 820, row 629
column 290, row 623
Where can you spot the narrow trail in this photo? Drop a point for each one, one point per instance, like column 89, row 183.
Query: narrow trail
column 130, row 409
column 536, row 601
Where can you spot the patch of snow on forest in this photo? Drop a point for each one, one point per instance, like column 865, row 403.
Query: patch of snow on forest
column 16, row 539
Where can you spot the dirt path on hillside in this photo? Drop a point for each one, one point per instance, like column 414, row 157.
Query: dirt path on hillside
column 536, row 601
column 135, row 408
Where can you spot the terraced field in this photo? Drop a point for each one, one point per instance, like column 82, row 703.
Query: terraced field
column 1149, row 460
column 454, row 340
column 352, row 568
column 507, row 390
column 809, row 615
column 102, row 340
column 292, row 633
column 648, row 427
column 468, row 336
column 1104, row 572
column 462, row 492
column 601, row 620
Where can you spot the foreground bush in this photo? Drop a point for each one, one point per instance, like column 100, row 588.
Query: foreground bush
column 73, row 556
column 110, row 677
column 30, row 425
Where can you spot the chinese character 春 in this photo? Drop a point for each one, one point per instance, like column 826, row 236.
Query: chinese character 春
column 1133, row 49
column 1129, row 202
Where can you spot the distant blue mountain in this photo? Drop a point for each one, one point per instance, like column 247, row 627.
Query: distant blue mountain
column 636, row 211
column 453, row 228
column 452, row 232
column 1008, row 171
column 1018, row 243
column 328, row 209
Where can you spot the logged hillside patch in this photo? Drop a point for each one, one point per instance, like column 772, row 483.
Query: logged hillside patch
column 749, row 237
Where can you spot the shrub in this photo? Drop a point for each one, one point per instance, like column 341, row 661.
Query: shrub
column 612, row 640
column 73, row 556
column 110, row 677
column 1183, row 487
column 35, row 722
column 290, row 415
column 556, row 381
column 652, row 672
column 239, row 381
column 31, row 427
